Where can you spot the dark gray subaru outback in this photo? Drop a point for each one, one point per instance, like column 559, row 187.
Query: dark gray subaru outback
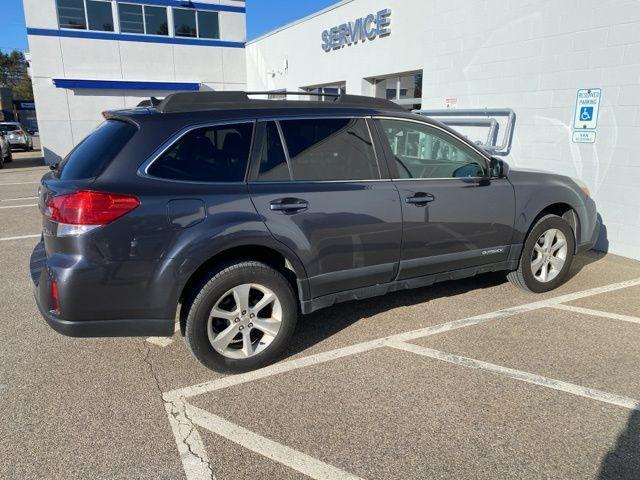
column 245, row 212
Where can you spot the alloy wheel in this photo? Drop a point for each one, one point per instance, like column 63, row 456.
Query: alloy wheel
column 549, row 255
column 244, row 321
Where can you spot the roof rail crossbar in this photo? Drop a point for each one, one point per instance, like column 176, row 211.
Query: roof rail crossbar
column 150, row 102
column 199, row 101
column 301, row 94
column 190, row 101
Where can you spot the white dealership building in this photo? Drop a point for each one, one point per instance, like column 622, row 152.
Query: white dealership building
column 88, row 56
column 570, row 70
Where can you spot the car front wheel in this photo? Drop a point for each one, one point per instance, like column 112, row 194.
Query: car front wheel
column 242, row 318
column 546, row 256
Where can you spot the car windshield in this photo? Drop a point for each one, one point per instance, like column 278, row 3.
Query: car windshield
column 8, row 127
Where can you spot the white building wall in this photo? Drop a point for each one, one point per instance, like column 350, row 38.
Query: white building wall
column 531, row 56
column 66, row 116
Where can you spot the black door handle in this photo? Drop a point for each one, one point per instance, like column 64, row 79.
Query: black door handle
column 289, row 205
column 420, row 199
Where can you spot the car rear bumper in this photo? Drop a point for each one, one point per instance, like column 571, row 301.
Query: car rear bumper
column 41, row 276
column 18, row 143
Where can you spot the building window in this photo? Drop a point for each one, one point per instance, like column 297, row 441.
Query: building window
column 100, row 15
column 143, row 19
column 131, row 18
column 196, row 23
column 404, row 89
column 184, row 22
column 77, row 14
column 332, row 89
column 208, row 26
column 155, row 19
column 71, row 14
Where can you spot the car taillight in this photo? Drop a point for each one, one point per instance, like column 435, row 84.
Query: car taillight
column 19, row 132
column 89, row 208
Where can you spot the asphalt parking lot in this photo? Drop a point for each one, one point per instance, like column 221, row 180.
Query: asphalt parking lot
column 472, row 379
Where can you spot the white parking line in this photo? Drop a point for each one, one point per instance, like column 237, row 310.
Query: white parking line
column 401, row 337
column 19, row 183
column 16, row 199
column 194, row 464
column 294, row 459
column 527, row 377
column 21, row 237
column 598, row 313
column 20, row 206
column 193, row 454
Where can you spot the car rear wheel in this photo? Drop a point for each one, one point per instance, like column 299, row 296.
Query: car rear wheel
column 242, row 318
column 9, row 156
column 546, row 256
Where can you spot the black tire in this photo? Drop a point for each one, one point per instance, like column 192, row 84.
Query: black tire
column 523, row 277
column 9, row 158
column 198, row 305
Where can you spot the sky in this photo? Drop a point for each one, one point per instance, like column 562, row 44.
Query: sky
column 262, row 17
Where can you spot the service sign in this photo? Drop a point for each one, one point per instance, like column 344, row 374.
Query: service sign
column 369, row 28
column 587, row 109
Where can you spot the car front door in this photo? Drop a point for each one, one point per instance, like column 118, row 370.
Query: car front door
column 323, row 193
column 454, row 215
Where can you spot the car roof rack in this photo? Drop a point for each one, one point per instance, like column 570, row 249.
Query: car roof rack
column 150, row 102
column 203, row 101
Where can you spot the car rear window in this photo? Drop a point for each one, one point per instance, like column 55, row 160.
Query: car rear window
column 209, row 154
column 8, row 127
column 91, row 156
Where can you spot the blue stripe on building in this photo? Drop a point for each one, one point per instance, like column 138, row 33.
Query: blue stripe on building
column 124, row 85
column 126, row 37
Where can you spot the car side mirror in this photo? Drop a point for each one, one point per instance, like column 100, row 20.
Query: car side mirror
column 498, row 168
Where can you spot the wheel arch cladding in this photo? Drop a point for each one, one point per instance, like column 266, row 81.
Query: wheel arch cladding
column 289, row 265
column 565, row 204
column 565, row 211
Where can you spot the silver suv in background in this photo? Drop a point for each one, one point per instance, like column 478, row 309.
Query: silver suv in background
column 17, row 136
column 5, row 150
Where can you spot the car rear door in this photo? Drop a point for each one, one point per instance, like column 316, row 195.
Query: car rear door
column 322, row 192
column 455, row 216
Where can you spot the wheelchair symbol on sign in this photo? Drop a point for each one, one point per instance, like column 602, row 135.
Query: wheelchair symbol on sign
column 586, row 114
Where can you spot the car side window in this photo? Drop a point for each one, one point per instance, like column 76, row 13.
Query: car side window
column 422, row 151
column 273, row 162
column 209, row 154
column 330, row 149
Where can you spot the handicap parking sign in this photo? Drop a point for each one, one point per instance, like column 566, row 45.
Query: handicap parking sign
column 586, row 114
column 587, row 107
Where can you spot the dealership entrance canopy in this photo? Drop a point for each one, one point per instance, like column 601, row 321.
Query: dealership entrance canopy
column 570, row 74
